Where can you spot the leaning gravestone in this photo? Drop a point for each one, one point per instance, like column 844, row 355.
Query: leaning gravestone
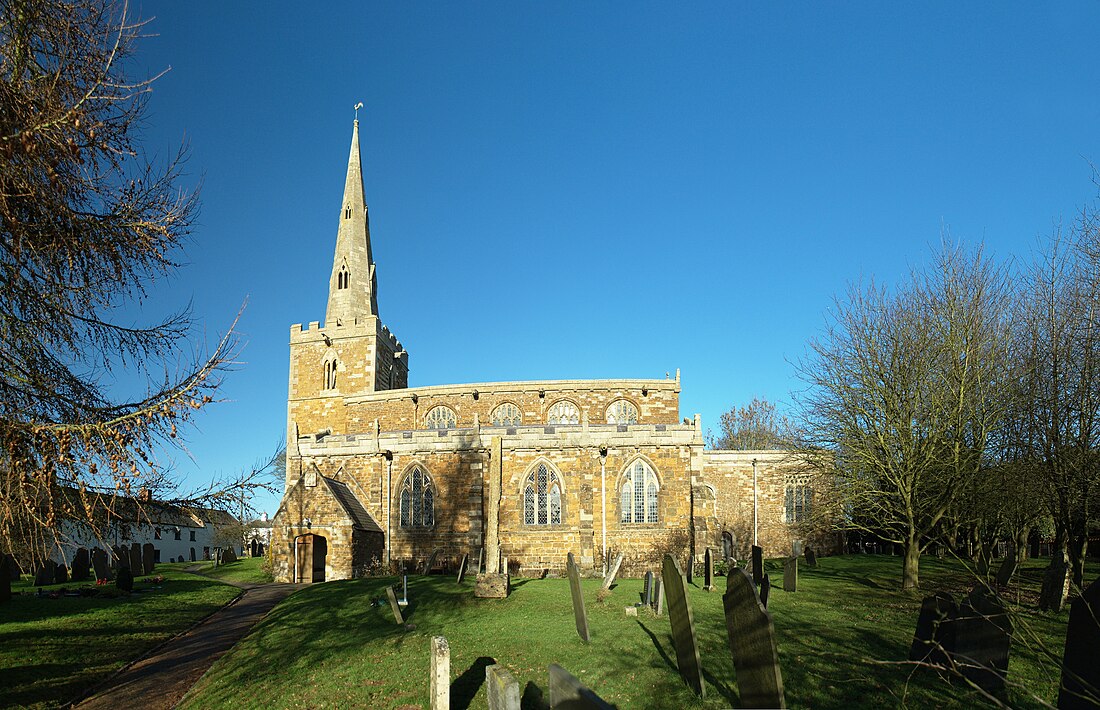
column 427, row 568
column 45, row 574
column 462, row 567
column 757, row 565
column 148, row 557
column 1007, row 569
column 790, row 574
column 683, row 625
column 394, row 606
column 811, row 557
column 80, row 565
column 614, row 570
column 1056, row 581
column 439, row 683
column 501, row 689
column 1080, row 670
column 99, row 563
column 579, row 614
column 135, row 560
column 765, row 590
column 61, row 575
column 935, row 634
column 752, row 644
column 982, row 637
column 567, row 692
column 647, row 589
column 708, row 571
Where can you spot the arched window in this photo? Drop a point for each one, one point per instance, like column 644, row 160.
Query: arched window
column 347, row 212
column 440, row 418
column 622, row 412
column 542, row 497
column 417, row 500
column 639, row 494
column 507, row 414
column 343, row 277
column 329, row 382
column 797, row 499
column 563, row 412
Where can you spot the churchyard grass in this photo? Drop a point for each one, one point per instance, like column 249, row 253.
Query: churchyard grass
column 52, row 650
column 247, row 570
column 843, row 638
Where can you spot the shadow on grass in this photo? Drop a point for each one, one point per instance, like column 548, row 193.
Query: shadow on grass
column 465, row 686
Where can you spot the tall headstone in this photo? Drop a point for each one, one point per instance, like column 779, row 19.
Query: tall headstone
column 935, row 634
column 480, row 561
column 790, row 574
column 45, row 574
column 811, row 557
column 501, row 688
column 1080, row 686
column 13, row 569
column 683, row 625
column 765, row 589
column 647, row 589
column 493, row 582
column 81, row 563
column 1056, row 581
column 796, row 548
column 148, row 557
column 99, row 563
column 982, row 636
column 609, row 579
column 430, row 562
column 462, row 567
column 120, row 557
column 567, row 692
column 61, row 575
column 579, row 613
column 757, row 565
column 752, row 644
column 440, row 682
column 135, row 560
column 660, row 596
column 394, row 606
column 708, row 571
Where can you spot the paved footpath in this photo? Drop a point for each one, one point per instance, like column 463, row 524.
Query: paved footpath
column 161, row 680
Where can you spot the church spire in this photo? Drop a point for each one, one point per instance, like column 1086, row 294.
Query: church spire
column 351, row 291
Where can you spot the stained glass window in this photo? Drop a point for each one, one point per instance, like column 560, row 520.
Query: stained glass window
column 622, row 412
column 563, row 412
column 639, row 495
column 417, row 500
column 507, row 414
column 440, row 418
column 542, row 497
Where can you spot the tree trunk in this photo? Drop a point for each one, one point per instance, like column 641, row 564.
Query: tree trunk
column 1078, row 548
column 910, row 578
column 1021, row 539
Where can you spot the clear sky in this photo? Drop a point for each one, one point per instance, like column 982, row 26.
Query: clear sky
column 587, row 190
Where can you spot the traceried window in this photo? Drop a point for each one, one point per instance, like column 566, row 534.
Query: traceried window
column 440, row 418
column 622, row 412
column 542, row 497
column 563, row 412
column 639, row 495
column 507, row 414
column 417, row 500
column 330, row 374
column 797, row 499
column 343, row 277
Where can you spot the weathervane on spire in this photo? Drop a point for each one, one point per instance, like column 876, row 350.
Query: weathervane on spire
column 357, row 107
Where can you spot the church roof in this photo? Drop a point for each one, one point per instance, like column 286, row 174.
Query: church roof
column 360, row 518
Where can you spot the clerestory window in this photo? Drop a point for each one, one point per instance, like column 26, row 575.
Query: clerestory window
column 440, row 418
column 622, row 412
column 563, row 412
column 417, row 507
column 507, row 414
column 542, row 497
column 639, row 494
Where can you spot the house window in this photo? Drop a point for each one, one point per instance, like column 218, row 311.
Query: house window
column 797, row 499
column 507, row 414
column 192, row 536
column 156, row 533
column 542, row 497
column 177, row 533
column 622, row 412
column 440, row 418
column 329, row 382
column 563, row 412
column 417, row 500
column 639, row 494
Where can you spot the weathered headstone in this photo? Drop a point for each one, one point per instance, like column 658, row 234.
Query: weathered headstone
column 228, row 555
column 683, row 625
column 440, row 683
column 982, row 637
column 934, row 638
column 81, row 563
column 462, row 567
column 135, row 560
column 647, row 589
column 120, row 557
column 708, row 570
column 796, row 548
column 1080, row 687
column 501, row 688
column 13, row 569
column 493, row 582
column 45, row 574
column 1056, row 581
column 394, row 606
column 757, row 565
column 567, row 692
column 99, row 563
column 1006, row 570
column 61, row 575
column 148, row 557
column 614, row 570
column 491, row 586
column 790, row 574
column 660, row 595
column 430, row 562
column 765, row 589
column 752, row 644
column 811, row 557
column 579, row 614
column 5, row 579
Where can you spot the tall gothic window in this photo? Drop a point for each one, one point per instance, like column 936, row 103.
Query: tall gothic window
column 440, row 418
column 639, row 494
column 797, row 499
column 330, row 374
column 622, row 412
column 563, row 412
column 542, row 497
column 507, row 414
column 343, row 277
column 417, row 507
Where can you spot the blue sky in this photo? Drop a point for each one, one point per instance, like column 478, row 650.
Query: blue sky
column 585, row 190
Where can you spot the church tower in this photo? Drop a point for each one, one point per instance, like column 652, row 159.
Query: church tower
column 352, row 353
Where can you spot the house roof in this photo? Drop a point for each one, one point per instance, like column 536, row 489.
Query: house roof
column 360, row 518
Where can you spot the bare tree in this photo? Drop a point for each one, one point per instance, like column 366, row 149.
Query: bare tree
column 755, row 427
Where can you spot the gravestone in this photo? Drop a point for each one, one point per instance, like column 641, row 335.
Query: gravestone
column 1056, row 581
column 135, row 560
column 228, row 555
column 120, row 557
column 81, row 564
column 394, row 606
column 1080, row 686
column 660, row 595
column 462, row 567
column 45, row 574
column 99, row 563
column 811, row 557
column 491, row 586
column 752, row 644
column 614, row 570
column 480, row 560
column 708, row 571
column 5, row 579
column 13, row 569
column 430, row 562
column 501, row 688
column 579, row 614
column 61, row 575
column 765, row 590
column 757, row 565
column 1006, row 570
column 796, row 548
column 683, row 625
column 982, row 637
column 790, row 574
column 647, row 589
column 440, row 682
column 148, row 557
column 935, row 634
column 567, row 692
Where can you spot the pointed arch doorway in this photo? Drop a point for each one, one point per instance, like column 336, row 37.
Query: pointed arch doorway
column 310, row 553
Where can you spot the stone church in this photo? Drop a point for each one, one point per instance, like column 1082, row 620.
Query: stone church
column 379, row 472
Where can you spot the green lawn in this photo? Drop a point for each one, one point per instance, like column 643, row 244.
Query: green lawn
column 243, row 571
column 840, row 638
column 52, row 650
